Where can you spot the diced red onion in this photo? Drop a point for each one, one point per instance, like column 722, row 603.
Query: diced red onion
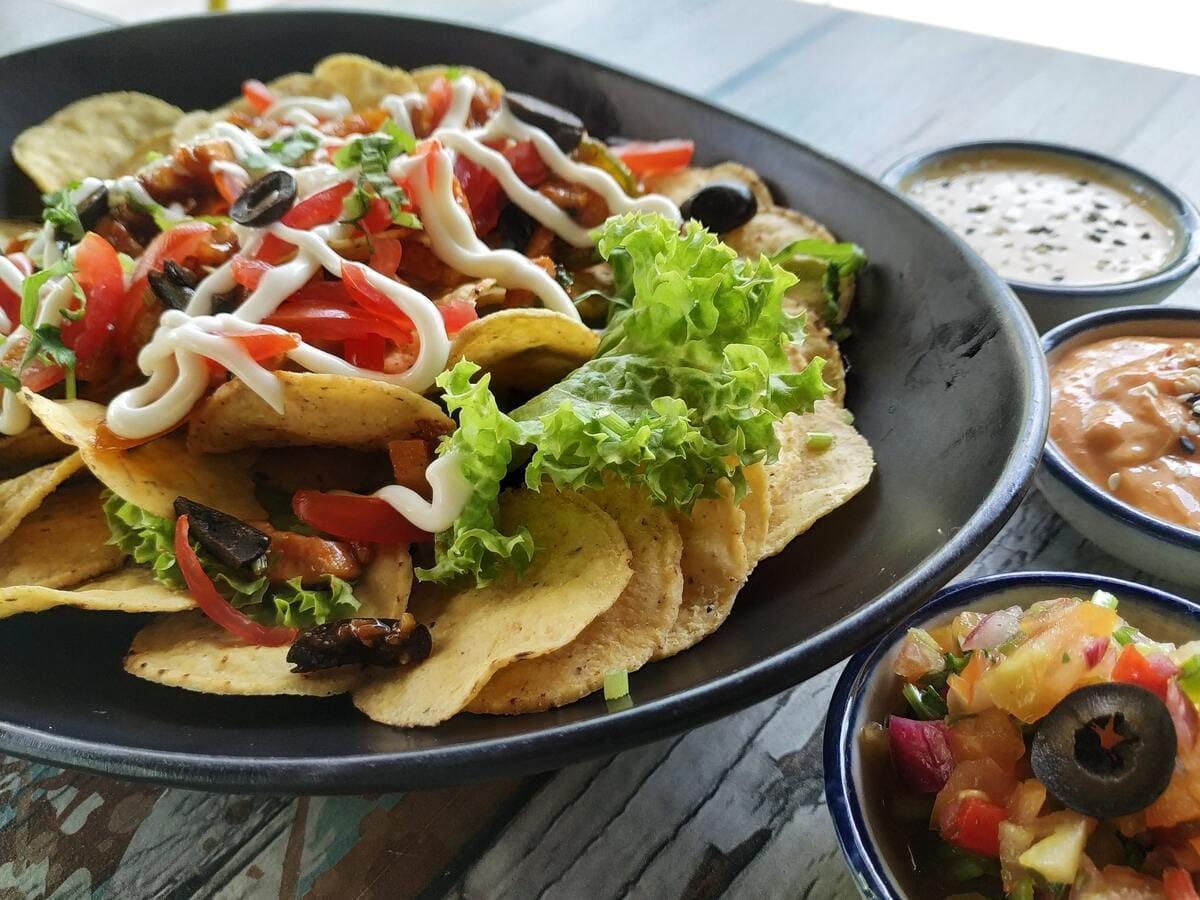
column 1162, row 665
column 1094, row 650
column 993, row 629
column 920, row 753
column 1183, row 715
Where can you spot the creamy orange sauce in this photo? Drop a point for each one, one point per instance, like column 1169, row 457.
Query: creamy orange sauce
column 1047, row 219
column 1126, row 413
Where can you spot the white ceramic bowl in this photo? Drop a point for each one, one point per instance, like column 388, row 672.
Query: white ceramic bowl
column 1166, row 550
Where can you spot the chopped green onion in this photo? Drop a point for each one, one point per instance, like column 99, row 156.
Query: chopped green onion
column 957, row 663
column 616, row 684
column 1022, row 890
column 1105, row 599
column 1124, row 635
column 818, row 440
column 927, row 704
column 1066, row 658
column 1189, row 678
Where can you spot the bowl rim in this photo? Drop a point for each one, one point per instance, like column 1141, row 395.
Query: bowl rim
column 1057, row 466
column 841, row 796
column 1183, row 210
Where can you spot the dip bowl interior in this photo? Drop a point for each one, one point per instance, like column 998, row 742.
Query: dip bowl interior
column 1153, row 545
column 1052, row 304
column 858, row 789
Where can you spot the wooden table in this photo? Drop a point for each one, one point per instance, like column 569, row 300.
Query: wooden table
column 736, row 806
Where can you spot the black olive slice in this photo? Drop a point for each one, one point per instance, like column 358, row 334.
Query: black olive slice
column 92, row 207
column 174, row 285
column 564, row 127
column 230, row 540
column 721, row 206
column 265, row 201
column 365, row 642
column 229, row 300
column 1105, row 750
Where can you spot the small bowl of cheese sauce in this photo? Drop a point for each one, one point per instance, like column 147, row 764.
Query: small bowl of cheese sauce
column 1122, row 462
column 1070, row 231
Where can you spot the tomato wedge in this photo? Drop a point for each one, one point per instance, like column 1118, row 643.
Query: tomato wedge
column 482, row 191
column 655, row 157
column 103, row 283
column 216, row 607
column 229, row 186
column 175, row 244
column 353, row 517
column 385, row 255
column 366, row 352
column 456, row 314
column 321, row 208
column 976, row 826
column 1151, row 673
column 334, row 320
column 258, row 95
column 249, row 272
column 264, row 344
column 378, row 217
column 438, row 100
column 369, row 297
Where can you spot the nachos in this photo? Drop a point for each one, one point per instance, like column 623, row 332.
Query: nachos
column 403, row 385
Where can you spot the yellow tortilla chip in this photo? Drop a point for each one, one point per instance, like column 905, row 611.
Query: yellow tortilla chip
column 714, row 569
column 152, row 475
column 34, row 446
column 681, row 185
column 757, row 507
column 581, row 567
column 808, row 484
column 131, row 590
column 363, row 81
column 188, row 651
column 525, row 349
column 383, row 589
column 12, row 229
column 62, row 542
column 319, row 411
column 94, row 136
column 427, row 75
column 192, row 124
column 623, row 637
column 20, row 496
column 294, row 84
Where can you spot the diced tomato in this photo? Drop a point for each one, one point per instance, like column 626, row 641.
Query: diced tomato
column 366, row 352
column 216, row 607
column 319, row 319
column 175, row 244
column 377, row 218
column 38, row 376
column 456, row 314
column 1134, row 667
column 976, row 826
column 410, row 458
column 1178, row 885
column 266, row 343
column 990, row 734
column 258, row 95
column 526, row 162
column 369, row 297
column 655, row 157
column 103, row 283
column 482, row 191
column 229, row 186
column 249, row 272
column 353, row 517
column 321, row 208
column 438, row 100
column 386, row 254
column 982, row 775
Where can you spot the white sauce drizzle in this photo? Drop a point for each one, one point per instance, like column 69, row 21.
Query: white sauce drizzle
column 451, row 491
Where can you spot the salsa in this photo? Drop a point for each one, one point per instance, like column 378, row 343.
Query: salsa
column 1046, row 752
column 1047, row 219
column 1125, row 412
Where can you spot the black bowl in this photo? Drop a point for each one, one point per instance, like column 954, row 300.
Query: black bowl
column 948, row 384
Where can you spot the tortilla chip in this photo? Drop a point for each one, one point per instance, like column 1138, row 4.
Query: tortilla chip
column 188, row 651
column 35, row 446
column 62, row 542
column 151, row 475
column 772, row 229
column 363, row 81
column 293, row 84
column 581, row 567
column 93, row 136
column 624, row 637
column 714, row 569
column 525, row 349
column 819, row 342
column 757, row 507
column 427, row 75
column 681, row 185
column 131, row 590
column 20, row 496
column 12, row 229
column 157, row 144
column 808, row 484
column 320, row 411
column 193, row 124
column 383, row 589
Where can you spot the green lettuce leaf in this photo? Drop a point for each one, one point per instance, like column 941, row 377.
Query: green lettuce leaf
column 484, row 442
column 149, row 540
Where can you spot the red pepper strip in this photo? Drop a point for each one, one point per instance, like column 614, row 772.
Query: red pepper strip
column 353, row 517
column 216, row 607
column 976, row 826
column 385, row 255
column 369, row 297
column 1132, row 667
column 258, row 95
column 249, row 272
column 319, row 209
column 334, row 320
column 655, row 157
column 175, row 244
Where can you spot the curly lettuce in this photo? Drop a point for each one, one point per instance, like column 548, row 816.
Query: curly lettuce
column 149, row 540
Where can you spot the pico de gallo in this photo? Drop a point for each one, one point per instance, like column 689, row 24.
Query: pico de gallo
column 1047, row 752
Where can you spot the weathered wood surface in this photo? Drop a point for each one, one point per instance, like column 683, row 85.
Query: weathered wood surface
column 735, row 807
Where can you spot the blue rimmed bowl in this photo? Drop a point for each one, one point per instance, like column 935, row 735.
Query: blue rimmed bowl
column 857, row 789
column 1152, row 545
column 1050, row 305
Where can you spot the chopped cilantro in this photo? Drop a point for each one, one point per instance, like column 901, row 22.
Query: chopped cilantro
column 372, row 153
column 46, row 344
column 287, row 151
column 9, row 380
column 60, row 212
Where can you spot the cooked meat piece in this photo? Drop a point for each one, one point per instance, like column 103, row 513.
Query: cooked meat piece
column 365, row 642
column 310, row 558
column 186, row 172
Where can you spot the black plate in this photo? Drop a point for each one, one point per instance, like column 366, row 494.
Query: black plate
column 948, row 384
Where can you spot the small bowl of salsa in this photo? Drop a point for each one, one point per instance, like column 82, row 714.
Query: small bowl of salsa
column 1023, row 736
column 1122, row 462
column 1071, row 231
